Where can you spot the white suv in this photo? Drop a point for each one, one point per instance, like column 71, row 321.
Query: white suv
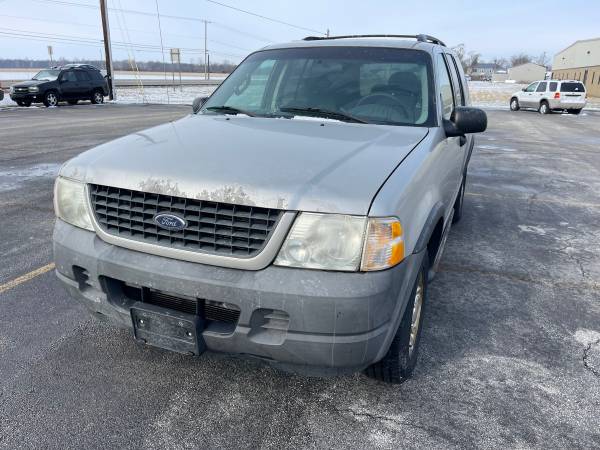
column 549, row 95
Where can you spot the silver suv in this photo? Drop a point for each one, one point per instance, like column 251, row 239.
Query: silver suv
column 551, row 95
column 296, row 216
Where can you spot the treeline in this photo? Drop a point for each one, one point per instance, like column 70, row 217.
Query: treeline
column 143, row 66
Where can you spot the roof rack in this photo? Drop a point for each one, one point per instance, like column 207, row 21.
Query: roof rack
column 83, row 66
column 418, row 37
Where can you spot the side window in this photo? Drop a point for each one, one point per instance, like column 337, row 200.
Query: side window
column 541, row 87
column 553, row 86
column 446, row 95
column 531, row 87
column 68, row 76
column 459, row 92
column 82, row 76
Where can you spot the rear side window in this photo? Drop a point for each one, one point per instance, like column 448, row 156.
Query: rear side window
column 553, row 86
column 572, row 87
column 541, row 87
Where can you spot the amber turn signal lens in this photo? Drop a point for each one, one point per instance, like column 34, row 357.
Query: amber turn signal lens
column 384, row 244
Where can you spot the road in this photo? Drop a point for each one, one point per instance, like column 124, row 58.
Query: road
column 510, row 355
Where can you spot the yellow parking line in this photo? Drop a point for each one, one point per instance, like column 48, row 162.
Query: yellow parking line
column 28, row 276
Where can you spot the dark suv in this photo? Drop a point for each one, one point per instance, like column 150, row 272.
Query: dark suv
column 69, row 83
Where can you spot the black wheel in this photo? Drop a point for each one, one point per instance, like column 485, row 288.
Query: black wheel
column 97, row 97
column 458, row 203
column 514, row 104
column 73, row 102
column 51, row 99
column 25, row 103
column 544, row 108
column 399, row 362
column 574, row 111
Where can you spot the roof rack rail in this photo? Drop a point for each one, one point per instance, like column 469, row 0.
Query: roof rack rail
column 418, row 37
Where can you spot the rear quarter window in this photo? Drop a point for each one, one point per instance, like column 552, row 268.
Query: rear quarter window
column 553, row 86
column 572, row 87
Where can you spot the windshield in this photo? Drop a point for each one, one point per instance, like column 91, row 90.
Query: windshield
column 354, row 84
column 47, row 75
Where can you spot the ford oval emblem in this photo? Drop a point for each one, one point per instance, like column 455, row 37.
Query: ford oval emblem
column 170, row 222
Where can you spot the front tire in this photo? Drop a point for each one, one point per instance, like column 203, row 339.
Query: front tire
column 574, row 111
column 399, row 362
column 545, row 108
column 50, row 99
column 514, row 104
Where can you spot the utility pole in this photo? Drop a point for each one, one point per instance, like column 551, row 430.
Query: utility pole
column 107, row 50
column 206, row 74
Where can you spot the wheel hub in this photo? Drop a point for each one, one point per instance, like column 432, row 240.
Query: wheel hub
column 416, row 313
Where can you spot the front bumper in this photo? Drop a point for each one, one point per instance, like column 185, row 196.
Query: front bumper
column 337, row 321
column 33, row 97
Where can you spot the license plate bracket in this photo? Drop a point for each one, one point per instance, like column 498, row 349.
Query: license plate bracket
column 167, row 329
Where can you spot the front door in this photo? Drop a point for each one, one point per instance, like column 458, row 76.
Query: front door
column 451, row 153
column 526, row 98
column 69, row 85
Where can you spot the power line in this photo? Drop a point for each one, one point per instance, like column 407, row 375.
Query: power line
column 132, row 30
column 163, row 16
column 266, row 18
column 44, row 37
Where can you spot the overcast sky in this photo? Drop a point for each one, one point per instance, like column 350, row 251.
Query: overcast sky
column 490, row 27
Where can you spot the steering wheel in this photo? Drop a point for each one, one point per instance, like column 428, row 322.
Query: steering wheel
column 372, row 98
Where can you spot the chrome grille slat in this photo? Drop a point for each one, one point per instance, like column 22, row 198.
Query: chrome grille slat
column 213, row 227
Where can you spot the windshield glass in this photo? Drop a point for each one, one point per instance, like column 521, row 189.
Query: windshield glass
column 354, row 84
column 47, row 75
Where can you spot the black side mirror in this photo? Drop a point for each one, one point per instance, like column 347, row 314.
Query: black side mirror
column 524, row 89
column 197, row 104
column 465, row 120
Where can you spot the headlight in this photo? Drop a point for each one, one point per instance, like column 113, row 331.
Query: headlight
column 70, row 203
column 34, row 89
column 324, row 241
column 338, row 242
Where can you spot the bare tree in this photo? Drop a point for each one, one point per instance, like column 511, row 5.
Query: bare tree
column 520, row 58
column 460, row 53
column 472, row 60
column 542, row 60
column 500, row 63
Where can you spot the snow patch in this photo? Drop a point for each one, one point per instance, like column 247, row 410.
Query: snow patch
column 535, row 230
column 586, row 337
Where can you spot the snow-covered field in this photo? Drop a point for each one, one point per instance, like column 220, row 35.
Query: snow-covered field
column 483, row 94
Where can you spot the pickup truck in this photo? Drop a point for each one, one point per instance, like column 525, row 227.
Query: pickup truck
column 296, row 216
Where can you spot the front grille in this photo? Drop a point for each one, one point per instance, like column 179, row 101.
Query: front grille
column 212, row 227
column 209, row 310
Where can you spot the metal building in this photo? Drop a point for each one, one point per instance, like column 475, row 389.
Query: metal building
column 580, row 61
column 526, row 73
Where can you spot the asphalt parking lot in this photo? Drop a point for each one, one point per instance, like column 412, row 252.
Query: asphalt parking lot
column 510, row 355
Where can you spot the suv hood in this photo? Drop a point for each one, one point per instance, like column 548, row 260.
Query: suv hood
column 294, row 164
column 31, row 83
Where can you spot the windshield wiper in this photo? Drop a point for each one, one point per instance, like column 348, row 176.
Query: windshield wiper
column 319, row 112
column 230, row 110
